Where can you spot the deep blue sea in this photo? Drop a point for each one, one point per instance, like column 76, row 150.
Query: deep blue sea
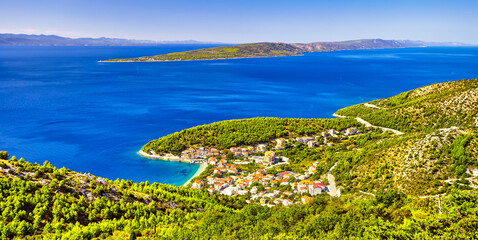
column 60, row 104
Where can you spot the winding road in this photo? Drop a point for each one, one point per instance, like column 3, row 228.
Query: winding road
column 367, row 124
column 331, row 186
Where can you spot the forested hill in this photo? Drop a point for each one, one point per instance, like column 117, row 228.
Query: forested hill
column 233, row 133
column 440, row 143
column 424, row 109
column 43, row 202
column 273, row 49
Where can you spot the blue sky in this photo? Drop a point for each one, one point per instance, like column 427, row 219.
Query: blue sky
column 244, row 20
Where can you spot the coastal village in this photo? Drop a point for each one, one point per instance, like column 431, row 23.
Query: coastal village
column 229, row 171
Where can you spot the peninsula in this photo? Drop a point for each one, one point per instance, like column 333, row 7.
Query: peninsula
column 416, row 142
column 276, row 49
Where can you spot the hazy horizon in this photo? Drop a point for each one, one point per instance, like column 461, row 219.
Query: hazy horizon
column 245, row 21
column 211, row 42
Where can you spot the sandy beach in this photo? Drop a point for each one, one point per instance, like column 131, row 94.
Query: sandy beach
column 198, row 172
column 201, row 168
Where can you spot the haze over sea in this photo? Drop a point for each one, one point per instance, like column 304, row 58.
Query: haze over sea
column 60, row 104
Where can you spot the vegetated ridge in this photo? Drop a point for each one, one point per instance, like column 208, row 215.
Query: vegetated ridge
column 275, row 49
column 440, row 141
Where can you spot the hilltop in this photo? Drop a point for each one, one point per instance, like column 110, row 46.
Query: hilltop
column 274, row 49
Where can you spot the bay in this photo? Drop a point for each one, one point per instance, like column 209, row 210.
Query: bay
column 60, row 104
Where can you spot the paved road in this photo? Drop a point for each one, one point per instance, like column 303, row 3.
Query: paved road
column 331, row 186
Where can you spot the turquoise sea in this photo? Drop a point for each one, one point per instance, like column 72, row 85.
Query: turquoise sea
column 60, row 104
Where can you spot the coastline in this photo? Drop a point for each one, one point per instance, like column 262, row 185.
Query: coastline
column 207, row 59
column 171, row 158
column 200, row 170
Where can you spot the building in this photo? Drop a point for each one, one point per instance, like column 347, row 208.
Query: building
column 311, row 144
column 238, row 154
column 220, row 170
column 211, row 190
column 287, row 202
column 197, row 184
column 235, row 149
column 302, row 189
column 269, row 157
column 261, row 148
column 332, row 132
column 212, row 161
column 243, row 192
column 306, row 199
column 351, row 131
column 316, row 188
column 213, row 152
column 229, row 191
column 280, row 142
column 304, row 140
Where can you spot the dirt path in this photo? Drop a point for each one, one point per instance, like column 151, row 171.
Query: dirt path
column 367, row 124
column 372, row 106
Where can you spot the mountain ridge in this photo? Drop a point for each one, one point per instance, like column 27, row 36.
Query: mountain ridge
column 8, row 39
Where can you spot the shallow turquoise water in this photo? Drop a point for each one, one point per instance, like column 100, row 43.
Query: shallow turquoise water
column 59, row 104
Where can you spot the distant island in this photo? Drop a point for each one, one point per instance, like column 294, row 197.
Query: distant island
column 8, row 39
column 276, row 49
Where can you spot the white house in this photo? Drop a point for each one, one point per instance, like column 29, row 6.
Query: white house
column 197, row 184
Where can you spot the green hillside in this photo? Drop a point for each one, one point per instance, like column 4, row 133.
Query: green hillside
column 441, row 140
column 424, row 109
column 232, row 133
column 43, row 202
column 250, row 50
column 416, row 185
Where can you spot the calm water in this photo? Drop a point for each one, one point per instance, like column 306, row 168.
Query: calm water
column 59, row 104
